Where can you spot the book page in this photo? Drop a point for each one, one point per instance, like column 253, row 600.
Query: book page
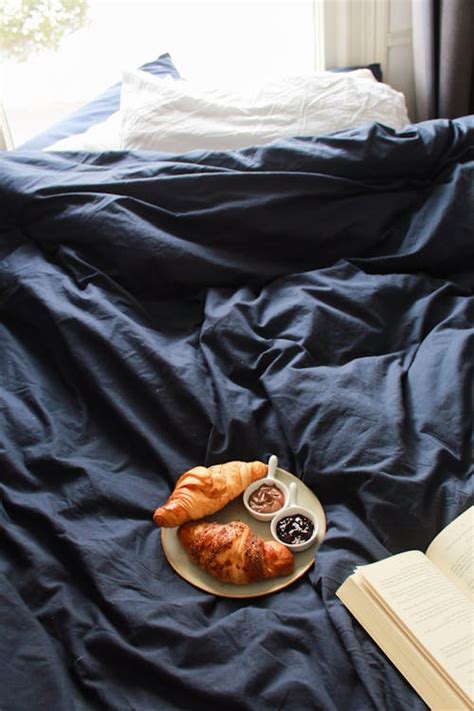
column 453, row 551
column 436, row 614
column 417, row 668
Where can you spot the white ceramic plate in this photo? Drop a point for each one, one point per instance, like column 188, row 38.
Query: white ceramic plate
column 236, row 511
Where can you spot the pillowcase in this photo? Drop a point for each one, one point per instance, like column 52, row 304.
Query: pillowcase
column 176, row 117
column 95, row 111
column 104, row 136
column 375, row 68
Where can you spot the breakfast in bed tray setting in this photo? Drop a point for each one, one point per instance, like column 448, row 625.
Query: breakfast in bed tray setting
column 241, row 529
column 236, row 327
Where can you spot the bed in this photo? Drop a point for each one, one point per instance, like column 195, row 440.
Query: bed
column 308, row 296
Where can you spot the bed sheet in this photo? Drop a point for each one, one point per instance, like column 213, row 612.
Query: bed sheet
column 311, row 298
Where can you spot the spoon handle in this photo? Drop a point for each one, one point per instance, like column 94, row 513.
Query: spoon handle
column 272, row 465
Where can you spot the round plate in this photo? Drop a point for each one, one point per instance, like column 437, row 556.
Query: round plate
column 236, row 511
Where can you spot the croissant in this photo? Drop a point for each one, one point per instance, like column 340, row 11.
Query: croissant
column 233, row 553
column 202, row 491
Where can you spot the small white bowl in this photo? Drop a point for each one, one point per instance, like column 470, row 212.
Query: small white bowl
column 269, row 479
column 294, row 510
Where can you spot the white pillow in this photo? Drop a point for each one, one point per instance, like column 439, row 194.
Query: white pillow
column 102, row 136
column 179, row 116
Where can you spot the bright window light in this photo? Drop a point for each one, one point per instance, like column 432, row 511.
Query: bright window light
column 216, row 41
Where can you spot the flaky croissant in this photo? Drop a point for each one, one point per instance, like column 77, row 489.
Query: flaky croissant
column 233, row 553
column 204, row 490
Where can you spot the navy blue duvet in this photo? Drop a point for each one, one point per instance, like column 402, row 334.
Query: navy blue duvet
column 312, row 298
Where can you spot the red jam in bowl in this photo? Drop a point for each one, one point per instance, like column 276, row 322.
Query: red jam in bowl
column 295, row 528
column 268, row 498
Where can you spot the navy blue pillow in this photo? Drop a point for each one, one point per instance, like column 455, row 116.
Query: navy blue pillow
column 95, row 111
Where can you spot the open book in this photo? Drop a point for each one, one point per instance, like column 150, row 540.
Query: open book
column 419, row 609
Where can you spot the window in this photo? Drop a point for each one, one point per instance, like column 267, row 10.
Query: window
column 214, row 40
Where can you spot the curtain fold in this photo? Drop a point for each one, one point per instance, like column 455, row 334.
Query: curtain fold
column 443, row 48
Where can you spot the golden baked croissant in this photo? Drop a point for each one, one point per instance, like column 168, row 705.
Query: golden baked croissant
column 233, row 553
column 202, row 491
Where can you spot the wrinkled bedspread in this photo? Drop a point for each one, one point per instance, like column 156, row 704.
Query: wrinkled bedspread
column 312, row 298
